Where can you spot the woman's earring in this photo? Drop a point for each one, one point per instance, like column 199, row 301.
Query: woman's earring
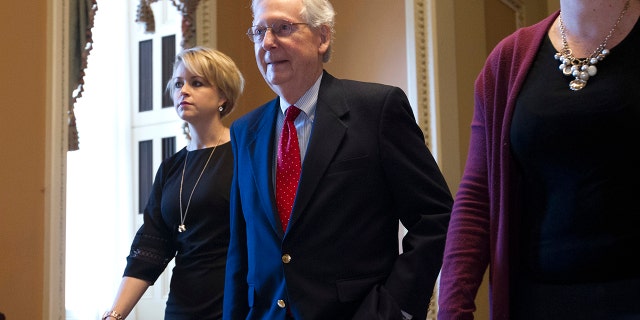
column 220, row 108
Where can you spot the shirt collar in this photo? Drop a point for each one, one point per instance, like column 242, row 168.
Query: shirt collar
column 306, row 103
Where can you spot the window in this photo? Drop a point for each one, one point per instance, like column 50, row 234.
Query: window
column 127, row 125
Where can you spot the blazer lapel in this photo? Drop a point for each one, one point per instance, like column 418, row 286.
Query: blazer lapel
column 328, row 130
column 261, row 153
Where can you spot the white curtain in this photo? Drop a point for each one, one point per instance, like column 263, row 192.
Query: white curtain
column 98, row 208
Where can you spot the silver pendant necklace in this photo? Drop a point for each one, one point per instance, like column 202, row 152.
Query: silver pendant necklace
column 182, row 227
column 583, row 68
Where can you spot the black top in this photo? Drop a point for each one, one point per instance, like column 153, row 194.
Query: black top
column 197, row 282
column 578, row 164
column 581, row 169
column 578, row 152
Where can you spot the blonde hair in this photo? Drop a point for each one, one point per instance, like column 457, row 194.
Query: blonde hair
column 216, row 68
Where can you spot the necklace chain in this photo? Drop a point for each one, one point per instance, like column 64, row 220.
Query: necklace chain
column 583, row 68
column 182, row 227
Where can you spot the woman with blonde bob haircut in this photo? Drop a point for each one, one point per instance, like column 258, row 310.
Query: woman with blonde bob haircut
column 187, row 214
column 215, row 67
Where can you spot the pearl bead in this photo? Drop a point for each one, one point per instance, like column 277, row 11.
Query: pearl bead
column 583, row 75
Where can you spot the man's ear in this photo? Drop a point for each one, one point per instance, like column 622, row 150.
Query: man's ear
column 325, row 33
column 325, row 36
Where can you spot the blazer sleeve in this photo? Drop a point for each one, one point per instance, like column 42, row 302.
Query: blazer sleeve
column 423, row 201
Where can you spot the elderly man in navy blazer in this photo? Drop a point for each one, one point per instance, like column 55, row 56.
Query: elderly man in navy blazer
column 332, row 250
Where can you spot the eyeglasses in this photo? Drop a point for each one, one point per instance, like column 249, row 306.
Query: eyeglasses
column 279, row 29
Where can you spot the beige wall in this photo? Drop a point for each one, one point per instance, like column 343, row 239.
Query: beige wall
column 364, row 50
column 22, row 128
column 234, row 17
column 370, row 42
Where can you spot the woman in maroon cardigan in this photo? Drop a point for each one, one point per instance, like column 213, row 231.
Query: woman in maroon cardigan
column 547, row 199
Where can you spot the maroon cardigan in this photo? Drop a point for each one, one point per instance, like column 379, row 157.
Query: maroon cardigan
column 478, row 233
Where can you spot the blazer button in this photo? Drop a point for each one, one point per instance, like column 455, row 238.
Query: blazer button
column 286, row 258
column 281, row 303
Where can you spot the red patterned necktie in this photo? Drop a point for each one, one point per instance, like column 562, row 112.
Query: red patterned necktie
column 288, row 167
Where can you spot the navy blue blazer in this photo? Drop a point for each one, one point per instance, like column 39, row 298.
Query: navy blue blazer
column 367, row 168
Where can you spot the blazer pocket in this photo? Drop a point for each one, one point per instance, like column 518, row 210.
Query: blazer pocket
column 356, row 289
column 359, row 163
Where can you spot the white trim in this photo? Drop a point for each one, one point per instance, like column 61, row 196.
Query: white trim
column 55, row 159
column 206, row 24
column 412, row 62
column 432, row 80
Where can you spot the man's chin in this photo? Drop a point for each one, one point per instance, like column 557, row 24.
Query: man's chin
column 273, row 79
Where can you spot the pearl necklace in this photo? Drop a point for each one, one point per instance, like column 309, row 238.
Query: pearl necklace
column 583, row 68
column 182, row 227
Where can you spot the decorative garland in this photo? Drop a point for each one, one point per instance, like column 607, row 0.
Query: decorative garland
column 186, row 7
column 82, row 43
